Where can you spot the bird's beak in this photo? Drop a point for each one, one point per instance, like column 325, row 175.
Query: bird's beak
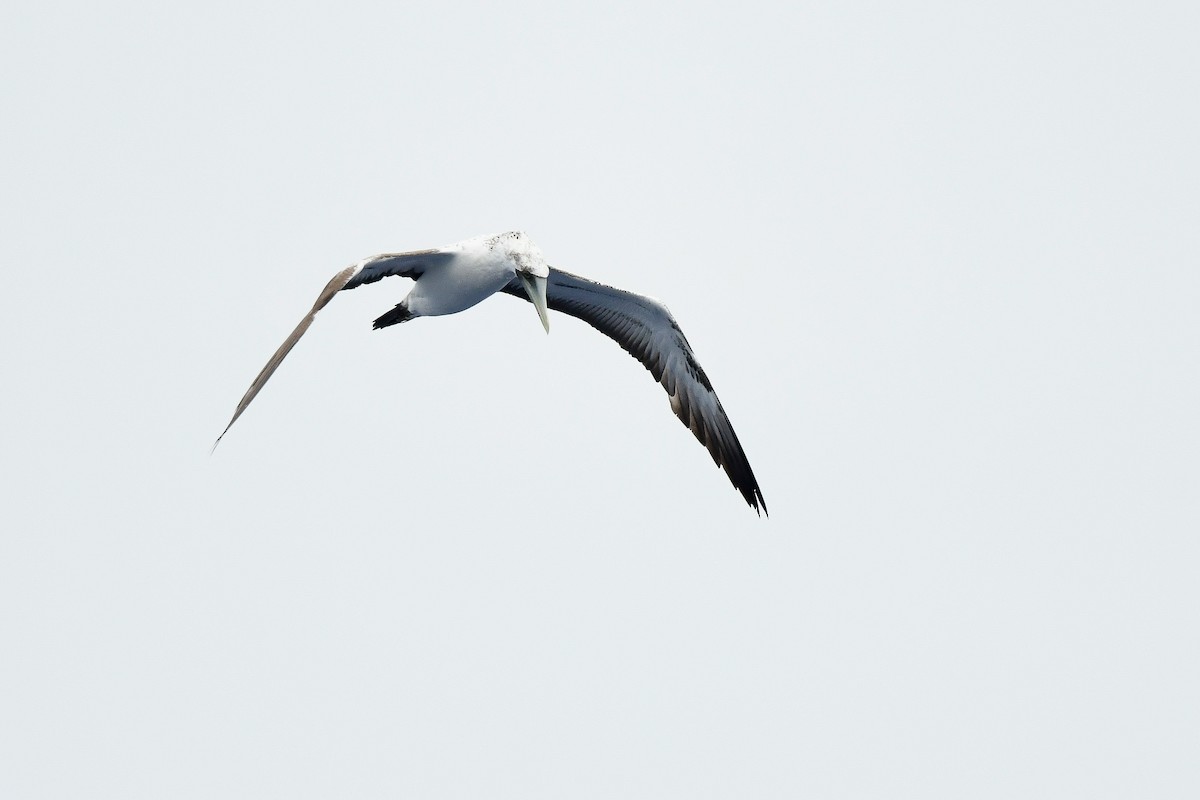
column 535, row 287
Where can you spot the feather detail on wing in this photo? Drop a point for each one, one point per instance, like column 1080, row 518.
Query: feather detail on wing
column 647, row 331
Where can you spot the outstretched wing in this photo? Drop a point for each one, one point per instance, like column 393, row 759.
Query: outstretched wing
column 648, row 332
column 369, row 270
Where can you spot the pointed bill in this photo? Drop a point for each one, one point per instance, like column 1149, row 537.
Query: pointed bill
column 535, row 287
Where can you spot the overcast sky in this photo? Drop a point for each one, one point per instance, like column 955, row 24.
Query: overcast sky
column 940, row 261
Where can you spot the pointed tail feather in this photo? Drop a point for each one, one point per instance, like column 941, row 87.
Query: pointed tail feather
column 397, row 315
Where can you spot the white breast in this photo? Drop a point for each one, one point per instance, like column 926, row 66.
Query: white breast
column 473, row 275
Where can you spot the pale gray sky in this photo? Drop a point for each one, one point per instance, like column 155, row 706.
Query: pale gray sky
column 939, row 259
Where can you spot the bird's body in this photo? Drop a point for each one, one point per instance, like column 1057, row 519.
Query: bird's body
column 468, row 273
column 465, row 280
column 454, row 278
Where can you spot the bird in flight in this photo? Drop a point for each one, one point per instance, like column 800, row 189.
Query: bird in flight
column 454, row 278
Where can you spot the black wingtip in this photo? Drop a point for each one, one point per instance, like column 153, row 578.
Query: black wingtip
column 753, row 497
column 747, row 485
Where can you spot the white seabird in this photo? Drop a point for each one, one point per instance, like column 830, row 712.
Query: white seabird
column 454, row 278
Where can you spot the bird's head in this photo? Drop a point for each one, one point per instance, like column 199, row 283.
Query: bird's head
column 531, row 268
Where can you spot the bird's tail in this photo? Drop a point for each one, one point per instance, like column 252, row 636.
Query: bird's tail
column 397, row 315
